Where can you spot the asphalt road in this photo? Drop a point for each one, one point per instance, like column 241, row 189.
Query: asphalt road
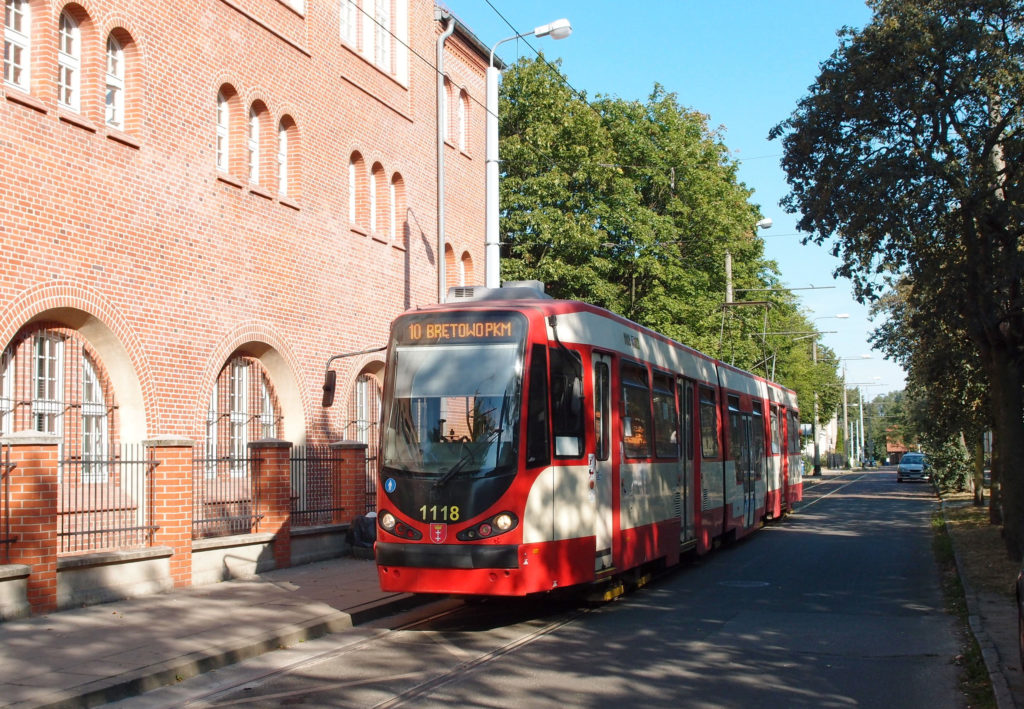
column 839, row 606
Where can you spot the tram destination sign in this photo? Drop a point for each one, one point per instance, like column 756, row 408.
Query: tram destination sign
column 459, row 328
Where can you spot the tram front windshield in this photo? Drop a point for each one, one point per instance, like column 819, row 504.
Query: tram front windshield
column 454, row 409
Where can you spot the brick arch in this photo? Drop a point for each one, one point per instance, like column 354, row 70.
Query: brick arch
column 258, row 340
column 108, row 334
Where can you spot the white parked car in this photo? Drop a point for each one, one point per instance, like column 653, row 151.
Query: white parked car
column 913, row 466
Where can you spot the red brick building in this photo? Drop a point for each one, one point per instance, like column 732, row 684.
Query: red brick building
column 201, row 202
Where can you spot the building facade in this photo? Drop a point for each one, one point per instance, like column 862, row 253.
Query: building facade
column 201, row 202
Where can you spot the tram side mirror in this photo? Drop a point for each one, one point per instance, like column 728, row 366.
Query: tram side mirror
column 330, row 381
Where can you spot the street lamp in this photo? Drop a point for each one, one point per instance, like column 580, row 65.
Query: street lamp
column 814, row 424
column 559, row 29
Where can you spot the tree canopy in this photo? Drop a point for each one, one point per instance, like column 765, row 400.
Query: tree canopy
column 633, row 205
column 906, row 157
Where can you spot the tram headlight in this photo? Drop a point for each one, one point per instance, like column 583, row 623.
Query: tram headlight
column 388, row 521
column 503, row 522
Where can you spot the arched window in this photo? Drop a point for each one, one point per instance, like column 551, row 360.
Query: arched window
column 115, row 84
column 48, row 382
column 69, row 63
column 243, row 408
column 465, row 269
column 358, row 191
column 6, row 392
column 52, row 382
column 463, row 120
column 282, row 159
column 223, row 131
column 253, row 145
column 17, row 43
column 95, row 440
column 364, row 409
column 451, row 275
column 379, row 193
column 398, row 209
column 446, row 103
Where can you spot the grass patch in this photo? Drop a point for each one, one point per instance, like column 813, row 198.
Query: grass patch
column 974, row 681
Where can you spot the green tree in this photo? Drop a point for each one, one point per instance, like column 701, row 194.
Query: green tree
column 906, row 154
column 632, row 205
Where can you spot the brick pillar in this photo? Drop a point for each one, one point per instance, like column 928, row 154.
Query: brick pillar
column 172, row 503
column 33, row 513
column 274, row 486
column 349, row 460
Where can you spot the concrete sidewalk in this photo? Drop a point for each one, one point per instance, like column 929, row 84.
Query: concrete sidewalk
column 98, row 654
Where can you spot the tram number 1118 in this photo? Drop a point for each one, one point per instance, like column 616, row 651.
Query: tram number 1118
column 444, row 513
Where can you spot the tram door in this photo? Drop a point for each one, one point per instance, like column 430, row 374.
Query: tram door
column 601, row 460
column 741, row 448
column 685, row 493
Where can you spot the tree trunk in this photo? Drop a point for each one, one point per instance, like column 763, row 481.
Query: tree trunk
column 978, row 475
column 1007, row 390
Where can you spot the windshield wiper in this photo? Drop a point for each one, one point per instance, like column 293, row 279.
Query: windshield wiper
column 467, row 455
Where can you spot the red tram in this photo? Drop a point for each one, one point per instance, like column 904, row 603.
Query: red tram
column 530, row 444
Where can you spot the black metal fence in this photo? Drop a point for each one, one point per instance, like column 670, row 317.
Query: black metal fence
column 316, row 486
column 105, row 504
column 367, row 432
column 225, row 497
column 5, row 504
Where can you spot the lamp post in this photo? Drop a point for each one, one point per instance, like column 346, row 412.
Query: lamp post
column 814, row 423
column 860, row 404
column 559, row 29
column 846, row 422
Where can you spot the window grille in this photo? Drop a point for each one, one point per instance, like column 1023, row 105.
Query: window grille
column 53, row 382
column 6, row 392
column 94, row 425
column 363, row 426
column 17, row 43
column 243, row 407
column 48, row 387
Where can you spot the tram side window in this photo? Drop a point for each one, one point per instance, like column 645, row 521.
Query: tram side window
column 737, row 441
column 757, row 441
column 708, row 424
column 794, row 432
column 537, row 447
column 687, row 399
column 666, row 418
column 636, row 412
column 567, row 402
column 776, row 433
column 602, row 409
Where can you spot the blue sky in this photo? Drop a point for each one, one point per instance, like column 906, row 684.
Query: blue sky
column 745, row 63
